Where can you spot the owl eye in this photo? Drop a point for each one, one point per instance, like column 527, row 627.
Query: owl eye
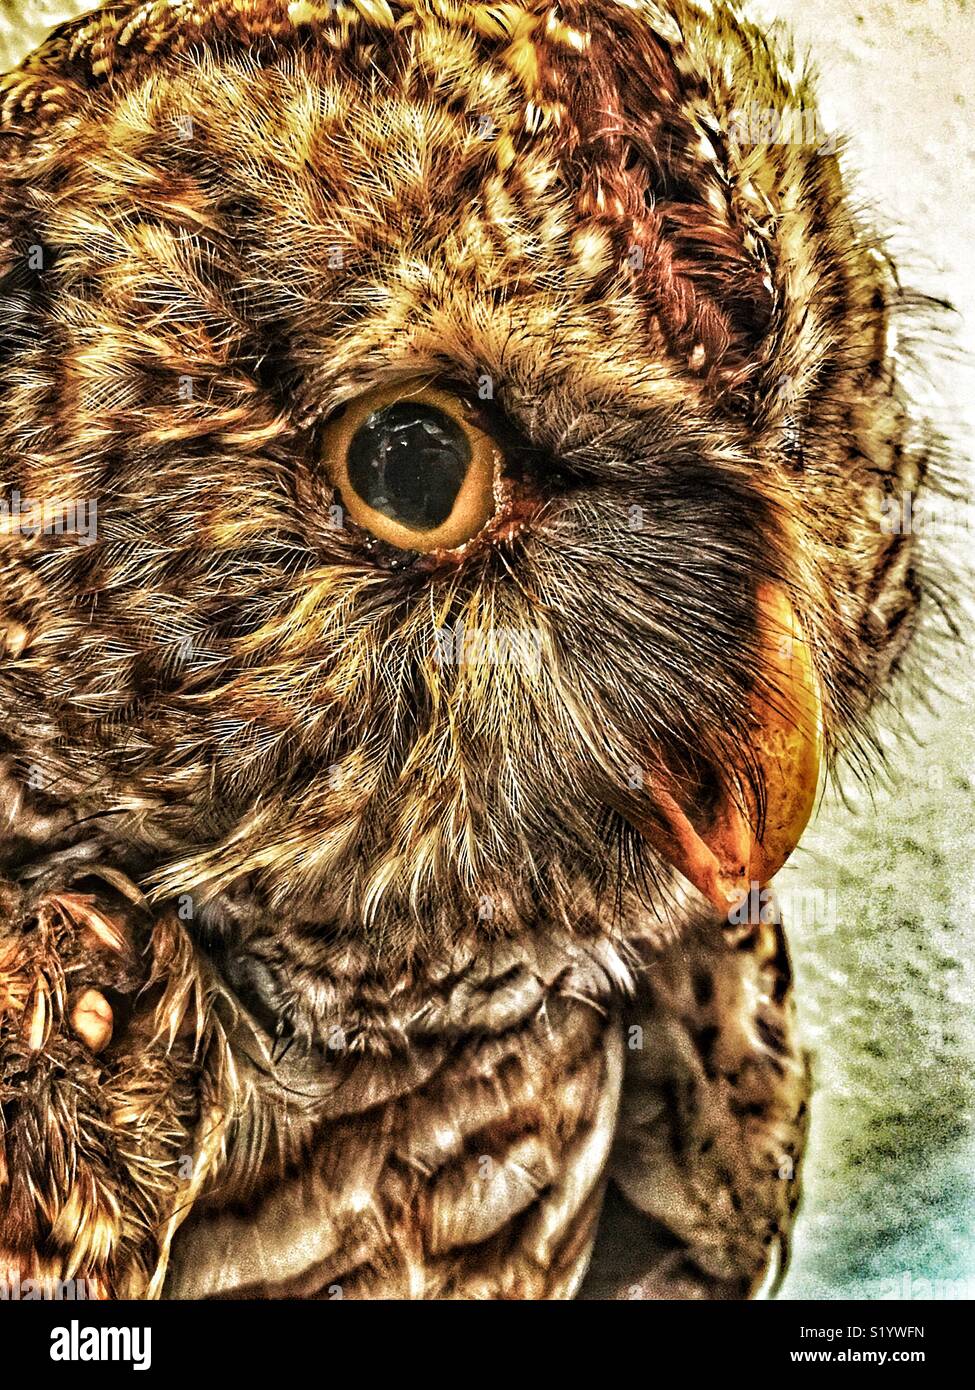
column 411, row 465
column 409, row 461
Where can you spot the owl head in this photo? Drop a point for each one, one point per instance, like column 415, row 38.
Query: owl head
column 442, row 451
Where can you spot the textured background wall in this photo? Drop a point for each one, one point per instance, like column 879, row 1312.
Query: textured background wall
column 882, row 888
column 887, row 984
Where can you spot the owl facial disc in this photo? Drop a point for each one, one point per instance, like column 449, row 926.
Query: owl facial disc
column 722, row 858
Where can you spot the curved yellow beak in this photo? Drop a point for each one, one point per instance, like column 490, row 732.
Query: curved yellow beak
column 723, row 858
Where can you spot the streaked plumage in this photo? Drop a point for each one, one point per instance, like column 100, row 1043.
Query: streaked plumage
column 395, row 932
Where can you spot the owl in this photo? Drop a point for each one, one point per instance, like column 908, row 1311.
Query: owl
column 447, row 453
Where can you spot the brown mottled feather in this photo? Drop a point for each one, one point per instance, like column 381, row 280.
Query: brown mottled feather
column 332, row 1074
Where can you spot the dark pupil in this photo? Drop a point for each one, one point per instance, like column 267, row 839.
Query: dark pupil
column 408, row 462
